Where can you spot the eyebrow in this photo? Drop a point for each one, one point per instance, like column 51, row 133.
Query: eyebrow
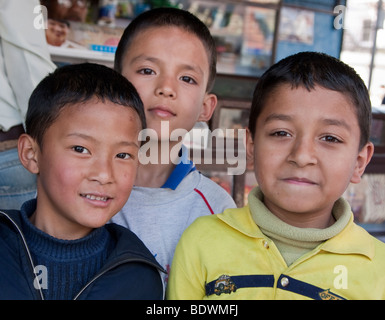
column 90, row 138
column 184, row 66
column 338, row 123
column 278, row 116
column 144, row 57
column 326, row 121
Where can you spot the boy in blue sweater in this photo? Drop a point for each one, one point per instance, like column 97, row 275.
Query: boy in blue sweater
column 81, row 141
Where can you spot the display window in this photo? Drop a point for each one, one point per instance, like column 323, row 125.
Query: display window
column 243, row 32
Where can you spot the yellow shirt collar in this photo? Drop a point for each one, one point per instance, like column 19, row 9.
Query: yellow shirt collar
column 351, row 240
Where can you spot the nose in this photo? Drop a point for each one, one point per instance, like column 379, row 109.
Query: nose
column 102, row 171
column 165, row 87
column 303, row 152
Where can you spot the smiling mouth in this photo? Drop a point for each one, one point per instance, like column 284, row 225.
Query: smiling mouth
column 95, row 197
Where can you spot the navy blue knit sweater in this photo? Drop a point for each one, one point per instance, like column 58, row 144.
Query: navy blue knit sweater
column 70, row 263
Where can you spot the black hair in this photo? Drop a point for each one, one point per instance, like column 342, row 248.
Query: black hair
column 309, row 69
column 168, row 17
column 73, row 84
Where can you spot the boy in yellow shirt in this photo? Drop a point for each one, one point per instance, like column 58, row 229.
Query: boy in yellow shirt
column 308, row 136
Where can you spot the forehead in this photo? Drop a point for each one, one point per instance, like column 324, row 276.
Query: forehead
column 164, row 32
column 95, row 113
column 174, row 39
column 318, row 103
column 107, row 123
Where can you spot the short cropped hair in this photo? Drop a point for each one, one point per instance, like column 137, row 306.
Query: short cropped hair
column 73, row 84
column 169, row 17
column 308, row 70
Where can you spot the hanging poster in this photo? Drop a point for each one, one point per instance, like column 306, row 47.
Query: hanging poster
column 296, row 25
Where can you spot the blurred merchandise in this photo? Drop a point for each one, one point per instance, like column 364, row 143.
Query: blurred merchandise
column 367, row 198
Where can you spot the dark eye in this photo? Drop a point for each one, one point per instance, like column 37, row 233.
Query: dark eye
column 80, row 149
column 123, row 156
column 281, row 133
column 146, row 71
column 188, row 79
column 331, row 139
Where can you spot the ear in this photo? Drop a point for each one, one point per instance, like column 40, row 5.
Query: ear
column 28, row 149
column 363, row 158
column 209, row 104
column 249, row 150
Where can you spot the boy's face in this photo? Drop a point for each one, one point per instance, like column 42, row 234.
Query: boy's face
column 86, row 168
column 57, row 32
column 169, row 67
column 306, row 153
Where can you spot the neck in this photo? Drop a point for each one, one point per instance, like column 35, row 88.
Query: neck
column 318, row 220
column 158, row 160
column 59, row 228
column 153, row 175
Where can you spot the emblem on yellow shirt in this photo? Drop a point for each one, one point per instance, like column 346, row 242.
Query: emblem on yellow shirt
column 224, row 284
column 327, row 295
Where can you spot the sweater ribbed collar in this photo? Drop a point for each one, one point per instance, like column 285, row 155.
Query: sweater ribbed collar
column 43, row 244
column 292, row 241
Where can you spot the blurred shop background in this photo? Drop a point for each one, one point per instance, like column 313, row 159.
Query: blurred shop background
column 250, row 36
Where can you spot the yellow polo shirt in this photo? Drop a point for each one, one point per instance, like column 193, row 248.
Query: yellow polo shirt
column 226, row 256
